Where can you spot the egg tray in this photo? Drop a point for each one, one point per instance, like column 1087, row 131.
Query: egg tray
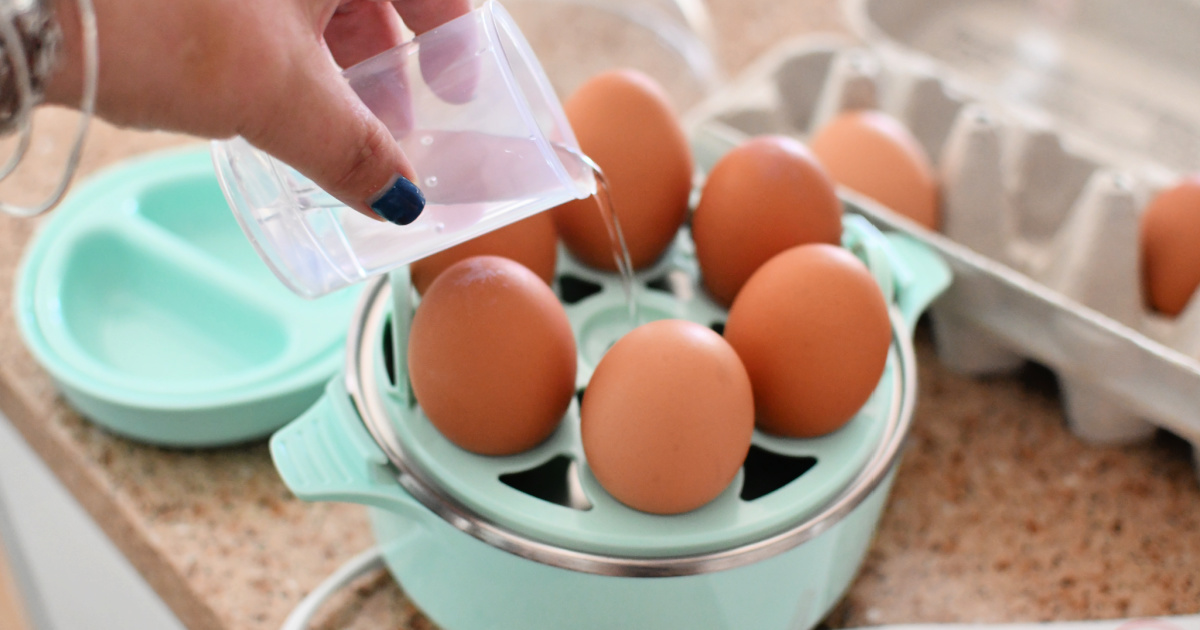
column 526, row 492
column 1039, row 226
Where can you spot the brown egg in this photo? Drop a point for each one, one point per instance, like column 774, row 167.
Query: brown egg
column 624, row 122
column 765, row 196
column 812, row 328
column 667, row 417
column 531, row 241
column 874, row 154
column 1170, row 247
column 491, row 356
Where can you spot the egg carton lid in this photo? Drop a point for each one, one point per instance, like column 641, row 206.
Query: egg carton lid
column 1119, row 78
column 1113, row 82
column 1045, row 261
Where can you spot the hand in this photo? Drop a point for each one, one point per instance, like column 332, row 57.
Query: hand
column 266, row 70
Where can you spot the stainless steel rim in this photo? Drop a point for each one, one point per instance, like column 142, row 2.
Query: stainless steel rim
column 362, row 385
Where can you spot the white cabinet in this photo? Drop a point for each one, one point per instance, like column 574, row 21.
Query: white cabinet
column 79, row 579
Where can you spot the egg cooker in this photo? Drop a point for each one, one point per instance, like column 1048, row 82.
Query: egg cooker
column 1051, row 125
column 532, row 541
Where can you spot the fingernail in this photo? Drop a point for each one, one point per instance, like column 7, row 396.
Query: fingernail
column 401, row 203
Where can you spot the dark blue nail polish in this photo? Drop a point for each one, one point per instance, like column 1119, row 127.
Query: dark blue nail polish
column 401, row 204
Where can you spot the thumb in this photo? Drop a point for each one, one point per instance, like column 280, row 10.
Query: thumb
column 324, row 131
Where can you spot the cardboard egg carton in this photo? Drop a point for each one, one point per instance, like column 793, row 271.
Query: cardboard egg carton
column 1040, row 228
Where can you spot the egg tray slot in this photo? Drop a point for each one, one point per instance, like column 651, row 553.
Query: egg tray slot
column 1040, row 228
column 549, row 491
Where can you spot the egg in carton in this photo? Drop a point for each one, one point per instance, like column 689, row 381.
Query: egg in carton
column 1039, row 225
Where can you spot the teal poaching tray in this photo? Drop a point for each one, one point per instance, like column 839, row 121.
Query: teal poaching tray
column 157, row 319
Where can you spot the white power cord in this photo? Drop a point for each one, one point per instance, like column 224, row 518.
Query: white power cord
column 354, row 568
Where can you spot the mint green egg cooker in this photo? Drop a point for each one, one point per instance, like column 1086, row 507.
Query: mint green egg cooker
column 475, row 552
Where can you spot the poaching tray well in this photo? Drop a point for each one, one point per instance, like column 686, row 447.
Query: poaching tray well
column 157, row 319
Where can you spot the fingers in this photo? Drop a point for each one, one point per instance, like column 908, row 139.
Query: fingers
column 361, row 29
column 423, row 15
column 447, row 63
column 335, row 141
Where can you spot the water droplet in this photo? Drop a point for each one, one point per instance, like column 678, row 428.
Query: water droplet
column 426, row 140
column 439, row 227
column 431, row 181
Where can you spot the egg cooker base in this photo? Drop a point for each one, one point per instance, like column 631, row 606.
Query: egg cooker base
column 473, row 552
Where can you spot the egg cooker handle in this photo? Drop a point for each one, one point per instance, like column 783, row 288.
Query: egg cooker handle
column 925, row 276
column 906, row 270
column 327, row 455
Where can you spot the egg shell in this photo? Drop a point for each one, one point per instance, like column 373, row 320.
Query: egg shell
column 765, row 196
column 1170, row 247
column 812, row 328
column 532, row 241
column 874, row 154
column 624, row 122
column 491, row 356
column 667, row 417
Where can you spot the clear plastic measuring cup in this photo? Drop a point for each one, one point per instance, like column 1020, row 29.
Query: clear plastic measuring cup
column 471, row 107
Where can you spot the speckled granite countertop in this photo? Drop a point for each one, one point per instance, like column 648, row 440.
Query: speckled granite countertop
column 997, row 514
